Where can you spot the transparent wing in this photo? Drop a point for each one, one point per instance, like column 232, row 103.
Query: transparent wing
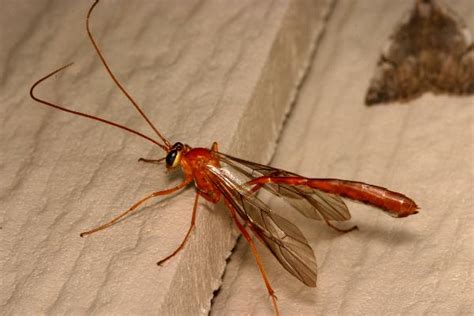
column 312, row 203
column 283, row 238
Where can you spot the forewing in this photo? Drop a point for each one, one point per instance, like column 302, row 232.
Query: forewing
column 283, row 238
column 311, row 203
column 324, row 205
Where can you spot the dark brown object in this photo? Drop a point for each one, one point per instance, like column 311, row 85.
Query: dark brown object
column 431, row 51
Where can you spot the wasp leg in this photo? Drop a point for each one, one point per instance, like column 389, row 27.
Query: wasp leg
column 181, row 246
column 155, row 161
column 137, row 204
column 251, row 243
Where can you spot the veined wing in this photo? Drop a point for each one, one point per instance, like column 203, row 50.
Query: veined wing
column 283, row 238
column 312, row 203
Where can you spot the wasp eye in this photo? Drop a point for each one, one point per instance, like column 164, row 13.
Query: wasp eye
column 170, row 158
column 173, row 158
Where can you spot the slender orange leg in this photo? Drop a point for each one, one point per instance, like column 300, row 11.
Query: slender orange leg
column 137, row 204
column 155, row 161
column 259, row 185
column 251, row 243
column 181, row 246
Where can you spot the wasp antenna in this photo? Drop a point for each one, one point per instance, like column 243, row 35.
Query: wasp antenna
column 92, row 117
column 117, row 83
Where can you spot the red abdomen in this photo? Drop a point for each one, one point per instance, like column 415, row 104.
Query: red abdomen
column 394, row 203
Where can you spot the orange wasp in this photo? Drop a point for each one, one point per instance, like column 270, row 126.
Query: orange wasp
column 219, row 176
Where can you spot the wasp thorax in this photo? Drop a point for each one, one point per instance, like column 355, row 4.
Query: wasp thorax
column 174, row 155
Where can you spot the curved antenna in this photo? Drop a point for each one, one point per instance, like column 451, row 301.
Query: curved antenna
column 117, row 83
column 165, row 148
